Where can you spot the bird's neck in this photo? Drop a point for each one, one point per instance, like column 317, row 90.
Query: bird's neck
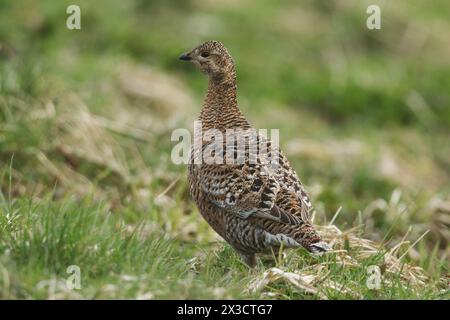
column 220, row 109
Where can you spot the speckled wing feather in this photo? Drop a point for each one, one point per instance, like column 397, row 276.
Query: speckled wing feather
column 261, row 189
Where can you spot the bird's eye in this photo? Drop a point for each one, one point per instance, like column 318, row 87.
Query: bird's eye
column 205, row 54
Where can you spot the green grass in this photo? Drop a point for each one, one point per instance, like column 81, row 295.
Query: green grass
column 40, row 240
column 85, row 124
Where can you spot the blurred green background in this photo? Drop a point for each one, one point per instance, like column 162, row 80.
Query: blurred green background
column 364, row 115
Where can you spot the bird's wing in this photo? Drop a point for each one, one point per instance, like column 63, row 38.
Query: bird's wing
column 254, row 189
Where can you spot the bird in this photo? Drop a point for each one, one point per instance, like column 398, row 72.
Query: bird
column 256, row 206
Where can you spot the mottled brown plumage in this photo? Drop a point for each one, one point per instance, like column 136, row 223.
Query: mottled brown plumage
column 254, row 205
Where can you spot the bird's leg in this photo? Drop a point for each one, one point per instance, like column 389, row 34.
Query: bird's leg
column 248, row 258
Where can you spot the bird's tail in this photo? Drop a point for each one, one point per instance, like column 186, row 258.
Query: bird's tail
column 308, row 237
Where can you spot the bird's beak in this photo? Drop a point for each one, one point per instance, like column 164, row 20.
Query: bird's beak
column 185, row 57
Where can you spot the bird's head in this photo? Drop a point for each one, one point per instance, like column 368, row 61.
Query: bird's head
column 212, row 58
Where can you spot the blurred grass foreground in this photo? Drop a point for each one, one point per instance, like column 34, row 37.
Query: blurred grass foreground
column 86, row 117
